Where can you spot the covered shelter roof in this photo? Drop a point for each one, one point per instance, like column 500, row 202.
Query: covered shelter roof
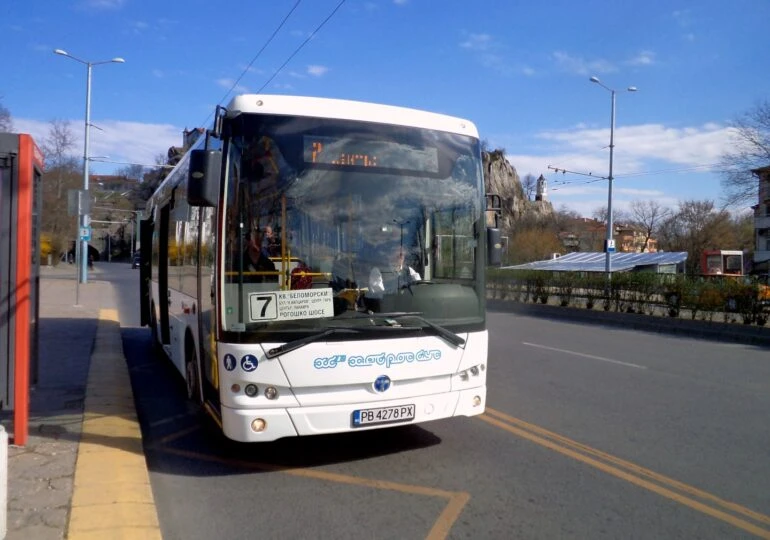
column 595, row 261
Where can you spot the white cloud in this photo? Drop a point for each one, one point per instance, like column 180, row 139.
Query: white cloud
column 682, row 17
column 229, row 84
column 317, row 71
column 477, row 42
column 651, row 162
column 400, row 2
column 687, row 146
column 485, row 48
column 250, row 69
column 644, row 58
column 581, row 66
column 120, row 141
column 102, row 4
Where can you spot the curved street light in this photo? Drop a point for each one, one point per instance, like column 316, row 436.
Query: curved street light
column 84, row 218
column 608, row 242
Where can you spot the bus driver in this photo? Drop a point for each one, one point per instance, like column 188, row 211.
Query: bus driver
column 393, row 278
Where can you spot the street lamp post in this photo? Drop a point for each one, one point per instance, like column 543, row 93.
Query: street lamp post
column 608, row 244
column 83, row 220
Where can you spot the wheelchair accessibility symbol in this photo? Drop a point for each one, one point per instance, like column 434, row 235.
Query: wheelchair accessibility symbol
column 249, row 363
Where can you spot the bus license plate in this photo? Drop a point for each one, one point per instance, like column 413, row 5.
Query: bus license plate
column 383, row 415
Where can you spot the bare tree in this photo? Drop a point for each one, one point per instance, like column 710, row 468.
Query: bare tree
column 529, row 184
column 63, row 172
column 647, row 215
column 751, row 151
column 57, row 147
column 132, row 172
column 6, row 123
column 618, row 216
column 695, row 227
column 533, row 244
column 151, row 179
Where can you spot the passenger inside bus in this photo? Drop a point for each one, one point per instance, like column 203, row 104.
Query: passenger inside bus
column 257, row 266
column 271, row 245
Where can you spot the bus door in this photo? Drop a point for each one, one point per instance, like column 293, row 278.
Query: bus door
column 206, row 307
column 145, row 269
column 163, row 291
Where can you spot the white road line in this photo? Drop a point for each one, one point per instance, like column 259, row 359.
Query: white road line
column 591, row 356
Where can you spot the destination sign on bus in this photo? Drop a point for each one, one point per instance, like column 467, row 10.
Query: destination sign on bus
column 349, row 152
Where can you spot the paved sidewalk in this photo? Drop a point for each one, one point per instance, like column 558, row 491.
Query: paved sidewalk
column 82, row 473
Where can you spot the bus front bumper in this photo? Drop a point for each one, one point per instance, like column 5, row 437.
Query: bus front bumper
column 263, row 425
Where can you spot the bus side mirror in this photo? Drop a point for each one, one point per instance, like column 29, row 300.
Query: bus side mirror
column 204, row 177
column 494, row 247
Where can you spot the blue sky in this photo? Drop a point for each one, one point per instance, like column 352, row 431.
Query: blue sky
column 519, row 70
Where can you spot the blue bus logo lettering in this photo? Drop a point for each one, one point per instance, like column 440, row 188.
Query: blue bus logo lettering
column 378, row 359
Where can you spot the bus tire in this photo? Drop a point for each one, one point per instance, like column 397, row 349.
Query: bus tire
column 156, row 348
column 191, row 371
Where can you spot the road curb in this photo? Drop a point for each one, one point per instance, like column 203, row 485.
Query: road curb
column 112, row 495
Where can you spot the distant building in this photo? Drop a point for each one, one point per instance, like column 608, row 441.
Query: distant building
column 587, row 234
column 542, row 189
column 632, row 239
column 761, row 262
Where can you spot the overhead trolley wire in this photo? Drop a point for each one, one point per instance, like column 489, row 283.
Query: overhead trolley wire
column 312, row 34
column 259, row 53
column 291, row 56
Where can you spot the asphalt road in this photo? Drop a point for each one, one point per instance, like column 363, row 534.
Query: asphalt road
column 589, row 432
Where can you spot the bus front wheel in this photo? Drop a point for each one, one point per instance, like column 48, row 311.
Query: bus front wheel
column 191, row 372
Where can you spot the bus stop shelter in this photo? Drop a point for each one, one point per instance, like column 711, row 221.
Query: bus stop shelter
column 21, row 169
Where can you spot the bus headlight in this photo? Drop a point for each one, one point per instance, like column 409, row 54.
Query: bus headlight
column 271, row 392
column 235, row 388
column 251, row 390
column 258, row 425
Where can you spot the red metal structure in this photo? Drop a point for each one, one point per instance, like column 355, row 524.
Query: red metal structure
column 21, row 169
column 722, row 262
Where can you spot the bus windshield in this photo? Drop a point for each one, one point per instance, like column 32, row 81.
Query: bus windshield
column 330, row 221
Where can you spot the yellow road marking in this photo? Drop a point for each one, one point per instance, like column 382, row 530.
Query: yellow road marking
column 112, row 495
column 441, row 528
column 573, row 449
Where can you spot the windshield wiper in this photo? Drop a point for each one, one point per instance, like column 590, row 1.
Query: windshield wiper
column 448, row 335
column 301, row 342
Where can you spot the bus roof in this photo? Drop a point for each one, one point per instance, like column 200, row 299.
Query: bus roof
column 348, row 110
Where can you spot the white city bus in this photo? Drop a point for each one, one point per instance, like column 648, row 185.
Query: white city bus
column 258, row 252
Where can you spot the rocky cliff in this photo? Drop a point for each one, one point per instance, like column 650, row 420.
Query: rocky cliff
column 501, row 178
